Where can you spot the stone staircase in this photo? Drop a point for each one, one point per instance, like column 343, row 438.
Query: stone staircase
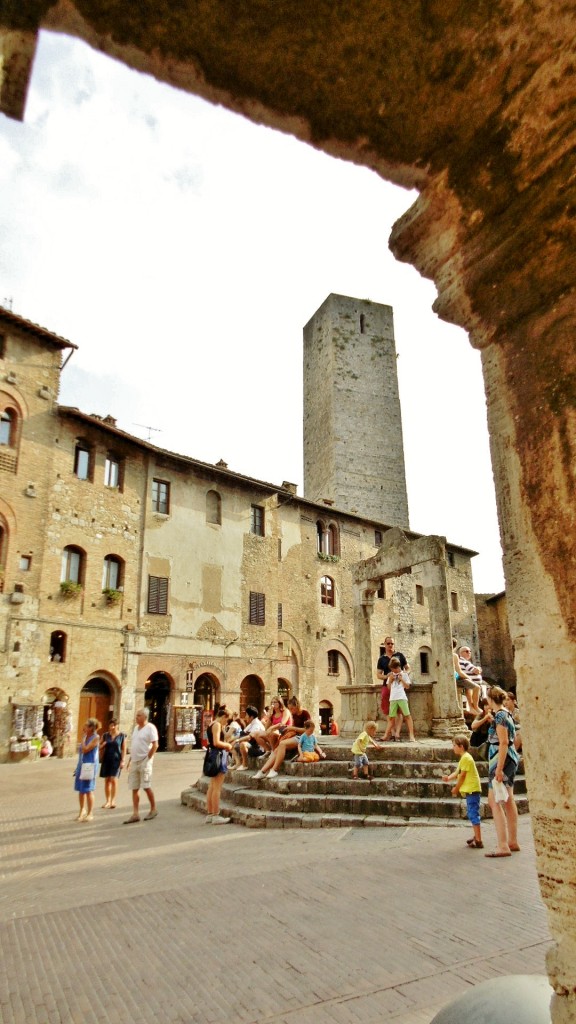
column 406, row 789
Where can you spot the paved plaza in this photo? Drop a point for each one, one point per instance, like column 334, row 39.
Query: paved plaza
column 173, row 921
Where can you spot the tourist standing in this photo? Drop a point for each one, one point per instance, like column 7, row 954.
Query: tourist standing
column 112, row 757
column 217, row 744
column 85, row 774
column 143, row 746
column 382, row 672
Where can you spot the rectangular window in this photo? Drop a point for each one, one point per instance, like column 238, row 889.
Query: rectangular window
column 424, row 667
column 157, row 595
column 82, row 462
column 2, row 346
column 257, row 520
column 257, row 610
column 454, row 601
column 377, row 538
column 161, row 496
column 381, row 592
column 279, row 616
column 419, row 594
column 450, row 558
column 25, row 563
column 333, row 663
column 112, row 472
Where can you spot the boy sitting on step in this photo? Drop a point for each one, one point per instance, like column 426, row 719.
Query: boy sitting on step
column 308, row 748
column 359, row 747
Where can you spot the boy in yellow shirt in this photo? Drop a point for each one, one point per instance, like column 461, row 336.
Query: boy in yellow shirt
column 358, row 748
column 468, row 785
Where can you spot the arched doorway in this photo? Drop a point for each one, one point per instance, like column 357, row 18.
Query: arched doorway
column 206, row 691
column 96, row 701
column 251, row 692
column 325, row 711
column 157, row 700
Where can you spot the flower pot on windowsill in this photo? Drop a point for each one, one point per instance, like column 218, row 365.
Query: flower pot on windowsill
column 69, row 589
column 328, row 558
column 112, row 596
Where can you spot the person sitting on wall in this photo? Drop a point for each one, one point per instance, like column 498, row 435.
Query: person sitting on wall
column 279, row 720
column 248, row 745
column 288, row 742
column 473, row 675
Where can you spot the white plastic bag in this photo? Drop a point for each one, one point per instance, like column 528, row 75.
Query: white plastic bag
column 500, row 792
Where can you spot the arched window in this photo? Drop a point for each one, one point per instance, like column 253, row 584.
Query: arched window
column 213, row 508
column 112, row 573
column 72, row 570
column 327, row 591
column 328, row 538
column 58, row 646
column 8, row 427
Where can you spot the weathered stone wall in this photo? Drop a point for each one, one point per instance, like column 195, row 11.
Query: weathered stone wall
column 496, row 652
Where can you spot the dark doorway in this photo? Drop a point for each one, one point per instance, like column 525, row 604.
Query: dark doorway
column 205, row 691
column 251, row 692
column 157, row 700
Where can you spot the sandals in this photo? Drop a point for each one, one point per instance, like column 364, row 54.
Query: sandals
column 475, row 844
column 497, row 853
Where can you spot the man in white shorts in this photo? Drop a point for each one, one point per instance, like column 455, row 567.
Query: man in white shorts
column 143, row 746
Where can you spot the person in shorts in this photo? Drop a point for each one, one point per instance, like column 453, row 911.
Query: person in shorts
column 398, row 681
column 247, row 746
column 143, row 746
column 359, row 747
column 468, row 784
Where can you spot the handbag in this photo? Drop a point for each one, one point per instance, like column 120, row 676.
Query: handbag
column 214, row 761
column 87, row 771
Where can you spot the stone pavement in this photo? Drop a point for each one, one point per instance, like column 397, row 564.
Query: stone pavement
column 172, row 921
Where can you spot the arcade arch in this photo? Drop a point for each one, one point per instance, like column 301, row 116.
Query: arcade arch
column 97, row 700
column 157, row 698
column 251, row 692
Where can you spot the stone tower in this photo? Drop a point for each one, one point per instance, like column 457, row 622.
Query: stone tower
column 353, row 448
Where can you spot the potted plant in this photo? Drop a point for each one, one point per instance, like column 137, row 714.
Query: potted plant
column 112, row 596
column 68, row 588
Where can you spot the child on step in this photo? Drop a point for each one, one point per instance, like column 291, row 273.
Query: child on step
column 359, row 747
column 308, row 747
column 398, row 681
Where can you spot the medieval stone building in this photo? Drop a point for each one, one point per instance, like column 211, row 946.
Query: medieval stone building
column 133, row 574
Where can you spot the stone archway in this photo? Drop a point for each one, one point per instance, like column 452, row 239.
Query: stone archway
column 96, row 701
column 157, row 698
column 473, row 105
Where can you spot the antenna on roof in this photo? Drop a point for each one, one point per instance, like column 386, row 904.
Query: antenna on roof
column 157, row 430
column 7, row 303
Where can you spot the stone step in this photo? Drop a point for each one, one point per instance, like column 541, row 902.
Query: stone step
column 253, row 817
column 273, row 798
column 406, row 788
column 298, row 783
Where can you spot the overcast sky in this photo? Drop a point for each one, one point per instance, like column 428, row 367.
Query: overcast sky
column 183, row 248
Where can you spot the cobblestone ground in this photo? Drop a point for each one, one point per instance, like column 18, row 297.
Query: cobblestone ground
column 172, row 921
